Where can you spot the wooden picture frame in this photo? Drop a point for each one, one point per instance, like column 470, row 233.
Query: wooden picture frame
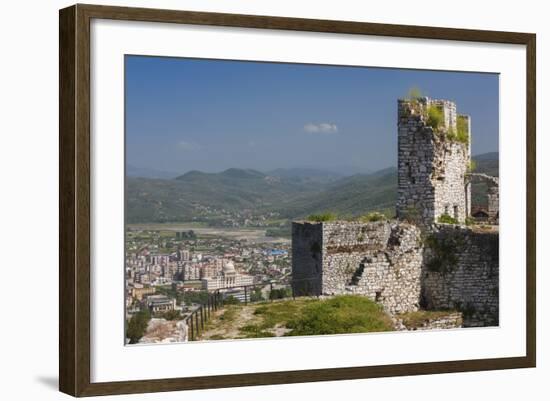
column 74, row 203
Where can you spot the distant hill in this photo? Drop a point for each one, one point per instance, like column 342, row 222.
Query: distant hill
column 196, row 194
column 133, row 171
column 306, row 175
column 294, row 193
column 353, row 195
column 486, row 156
column 487, row 163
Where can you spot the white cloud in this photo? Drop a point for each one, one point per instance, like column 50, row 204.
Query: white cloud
column 321, row 128
column 188, row 145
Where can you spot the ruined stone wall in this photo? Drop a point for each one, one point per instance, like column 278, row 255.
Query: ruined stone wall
column 451, row 320
column 492, row 193
column 381, row 260
column 461, row 271
column 493, row 203
column 395, row 264
column 431, row 167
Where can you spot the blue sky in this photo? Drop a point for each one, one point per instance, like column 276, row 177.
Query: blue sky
column 210, row 115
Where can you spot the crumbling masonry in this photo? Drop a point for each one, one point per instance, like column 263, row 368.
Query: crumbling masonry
column 412, row 262
column 431, row 168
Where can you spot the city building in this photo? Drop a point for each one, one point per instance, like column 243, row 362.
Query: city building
column 226, row 279
column 139, row 291
column 160, row 303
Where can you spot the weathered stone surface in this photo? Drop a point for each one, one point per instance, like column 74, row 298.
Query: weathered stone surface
column 492, row 193
column 461, row 271
column 431, row 168
column 452, row 320
column 399, row 266
column 381, row 260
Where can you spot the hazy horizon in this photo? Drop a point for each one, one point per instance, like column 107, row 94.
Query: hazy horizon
column 211, row 115
column 318, row 169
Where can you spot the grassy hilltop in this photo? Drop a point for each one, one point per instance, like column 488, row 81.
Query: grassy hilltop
column 299, row 317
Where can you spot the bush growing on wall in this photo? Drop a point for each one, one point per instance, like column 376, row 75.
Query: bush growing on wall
column 372, row 216
column 435, row 117
column 446, row 219
column 444, row 253
column 414, row 93
column 327, row 216
column 462, row 134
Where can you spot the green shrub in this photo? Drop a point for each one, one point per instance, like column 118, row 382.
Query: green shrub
column 231, row 300
column 470, row 221
column 459, row 135
column 444, row 253
column 472, row 165
column 137, row 325
column 462, row 134
column 372, row 216
column 446, row 219
column 462, row 137
column 327, row 216
column 414, row 93
column 338, row 315
column 256, row 295
column 172, row 315
column 435, row 117
column 451, row 134
column 280, row 293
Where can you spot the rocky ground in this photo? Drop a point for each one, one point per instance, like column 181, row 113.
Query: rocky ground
column 164, row 331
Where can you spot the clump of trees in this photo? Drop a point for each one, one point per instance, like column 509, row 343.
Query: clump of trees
column 172, row 315
column 195, row 297
column 137, row 325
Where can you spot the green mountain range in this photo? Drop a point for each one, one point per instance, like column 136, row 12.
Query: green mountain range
column 290, row 193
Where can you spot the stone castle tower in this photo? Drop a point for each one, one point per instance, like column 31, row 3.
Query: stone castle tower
column 390, row 262
column 433, row 161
